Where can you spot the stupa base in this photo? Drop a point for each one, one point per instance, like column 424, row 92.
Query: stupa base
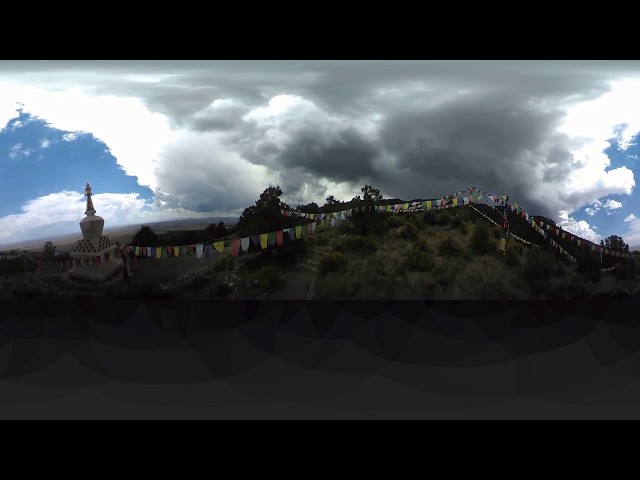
column 95, row 273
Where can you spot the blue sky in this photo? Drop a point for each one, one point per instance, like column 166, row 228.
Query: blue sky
column 160, row 140
column 40, row 160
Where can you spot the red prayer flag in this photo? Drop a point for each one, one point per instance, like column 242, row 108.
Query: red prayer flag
column 235, row 246
column 279, row 237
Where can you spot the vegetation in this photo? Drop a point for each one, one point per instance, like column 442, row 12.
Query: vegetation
column 443, row 254
column 615, row 243
column 145, row 237
column 216, row 231
column 49, row 249
column 481, row 241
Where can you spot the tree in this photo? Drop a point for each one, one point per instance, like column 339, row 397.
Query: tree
column 49, row 249
column 145, row 237
column 364, row 217
column 309, row 208
column 216, row 231
column 265, row 216
column 330, row 200
column 615, row 243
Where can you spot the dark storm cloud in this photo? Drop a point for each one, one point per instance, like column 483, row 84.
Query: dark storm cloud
column 347, row 157
column 444, row 125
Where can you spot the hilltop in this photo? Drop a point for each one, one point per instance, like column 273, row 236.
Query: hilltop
column 376, row 251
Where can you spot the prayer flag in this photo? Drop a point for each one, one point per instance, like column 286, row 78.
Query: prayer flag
column 235, row 246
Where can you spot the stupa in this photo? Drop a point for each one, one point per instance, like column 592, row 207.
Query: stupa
column 94, row 257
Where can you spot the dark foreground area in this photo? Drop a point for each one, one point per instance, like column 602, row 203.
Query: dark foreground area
column 250, row 359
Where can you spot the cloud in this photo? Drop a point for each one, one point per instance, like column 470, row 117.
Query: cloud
column 44, row 143
column 209, row 135
column 630, row 218
column 59, row 213
column 578, row 227
column 133, row 134
column 17, row 151
column 196, row 173
column 612, row 204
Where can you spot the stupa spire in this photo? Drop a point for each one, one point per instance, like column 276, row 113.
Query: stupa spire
column 90, row 210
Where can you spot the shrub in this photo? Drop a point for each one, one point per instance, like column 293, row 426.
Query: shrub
column 225, row 264
column 268, row 277
column 538, row 266
column 331, row 262
column 418, row 260
column 495, row 288
column 512, row 258
column 589, row 265
column 444, row 219
column 396, row 221
column 409, row 231
column 301, row 245
column 464, row 229
column 420, row 243
column 626, row 270
column 357, row 244
column 449, row 247
column 481, row 241
column 430, row 217
column 456, row 222
column 463, row 214
column 446, row 273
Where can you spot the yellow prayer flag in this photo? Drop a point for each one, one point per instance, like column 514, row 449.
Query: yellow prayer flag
column 219, row 246
column 428, row 204
column 159, row 252
column 263, row 240
column 455, row 202
column 176, row 251
column 298, row 231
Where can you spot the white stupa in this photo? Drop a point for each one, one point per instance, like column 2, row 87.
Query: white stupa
column 94, row 257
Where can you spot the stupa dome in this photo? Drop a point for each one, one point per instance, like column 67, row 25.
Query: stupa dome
column 91, row 225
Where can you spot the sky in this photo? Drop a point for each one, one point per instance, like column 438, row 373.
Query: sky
column 160, row 140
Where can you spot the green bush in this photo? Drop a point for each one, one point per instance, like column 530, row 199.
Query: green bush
column 409, row 231
column 331, row 262
column 512, row 258
column 396, row 221
column 418, row 261
column 444, row 219
column 446, row 273
column 495, row 288
column 449, row 247
column 268, row 277
column 481, row 241
column 420, row 243
column 225, row 264
column 456, row 222
column 589, row 265
column 301, row 245
column 538, row 266
column 430, row 217
column 357, row 244
column 462, row 213
column 627, row 270
column 464, row 229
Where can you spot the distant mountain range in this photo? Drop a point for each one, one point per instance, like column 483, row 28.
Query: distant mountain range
column 158, row 227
